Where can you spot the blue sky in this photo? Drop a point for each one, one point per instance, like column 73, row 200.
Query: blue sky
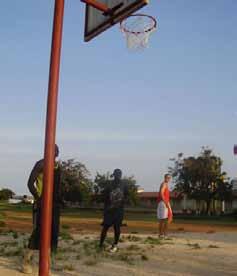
column 118, row 108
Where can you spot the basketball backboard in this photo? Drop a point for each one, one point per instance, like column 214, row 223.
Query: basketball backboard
column 96, row 22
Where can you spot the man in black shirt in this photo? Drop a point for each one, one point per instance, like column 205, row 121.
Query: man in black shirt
column 115, row 196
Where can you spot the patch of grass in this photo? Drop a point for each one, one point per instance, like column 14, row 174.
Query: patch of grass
column 90, row 247
column 194, row 245
column 61, row 254
column 144, row 257
column 76, row 242
column 91, row 262
column 66, row 236
column 59, row 257
column 133, row 238
column 2, row 223
column 68, row 267
column 14, row 234
column 213, row 246
column 127, row 258
column 152, row 241
column 65, row 226
column 109, row 240
column 9, row 244
column 133, row 247
column 13, row 253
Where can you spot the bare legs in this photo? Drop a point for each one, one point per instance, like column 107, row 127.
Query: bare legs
column 163, row 227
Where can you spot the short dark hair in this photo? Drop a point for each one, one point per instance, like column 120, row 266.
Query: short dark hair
column 167, row 175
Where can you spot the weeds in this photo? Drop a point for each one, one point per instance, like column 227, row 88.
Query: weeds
column 213, row 246
column 194, row 245
column 68, row 267
column 152, row 241
column 144, row 257
column 133, row 247
column 91, row 262
column 2, row 223
column 133, row 238
column 127, row 258
column 65, row 226
column 66, row 236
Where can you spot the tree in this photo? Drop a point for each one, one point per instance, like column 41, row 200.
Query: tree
column 6, row 194
column 102, row 180
column 76, row 184
column 201, row 177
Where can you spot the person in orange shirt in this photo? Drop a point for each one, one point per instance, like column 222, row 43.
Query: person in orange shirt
column 164, row 211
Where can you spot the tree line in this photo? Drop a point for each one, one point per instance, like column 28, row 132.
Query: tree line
column 201, row 177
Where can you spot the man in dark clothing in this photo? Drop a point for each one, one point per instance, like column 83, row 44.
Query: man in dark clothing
column 115, row 196
column 35, row 185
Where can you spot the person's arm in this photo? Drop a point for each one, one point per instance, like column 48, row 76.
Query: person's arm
column 105, row 196
column 59, row 195
column 126, row 194
column 37, row 169
column 170, row 214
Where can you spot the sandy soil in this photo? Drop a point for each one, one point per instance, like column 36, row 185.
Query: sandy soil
column 182, row 254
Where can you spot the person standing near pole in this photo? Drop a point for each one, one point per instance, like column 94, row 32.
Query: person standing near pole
column 164, row 211
column 35, row 186
column 115, row 196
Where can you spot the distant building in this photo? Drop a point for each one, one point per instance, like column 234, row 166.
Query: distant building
column 18, row 199
column 234, row 184
column 182, row 204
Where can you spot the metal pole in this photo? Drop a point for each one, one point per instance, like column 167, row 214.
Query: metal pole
column 49, row 151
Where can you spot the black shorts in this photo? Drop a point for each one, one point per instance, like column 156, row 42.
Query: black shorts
column 113, row 217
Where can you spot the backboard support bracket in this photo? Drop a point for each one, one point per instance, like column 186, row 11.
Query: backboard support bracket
column 103, row 7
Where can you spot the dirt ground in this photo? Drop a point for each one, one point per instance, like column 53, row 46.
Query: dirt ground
column 22, row 222
column 192, row 249
column 182, row 254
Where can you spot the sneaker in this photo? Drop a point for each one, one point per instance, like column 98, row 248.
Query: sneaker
column 161, row 237
column 113, row 249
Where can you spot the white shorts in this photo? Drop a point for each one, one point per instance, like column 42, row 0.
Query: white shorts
column 162, row 210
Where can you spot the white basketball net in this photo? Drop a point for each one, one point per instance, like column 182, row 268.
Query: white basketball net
column 137, row 30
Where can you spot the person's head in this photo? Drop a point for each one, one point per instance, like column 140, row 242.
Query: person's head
column 56, row 151
column 167, row 177
column 117, row 174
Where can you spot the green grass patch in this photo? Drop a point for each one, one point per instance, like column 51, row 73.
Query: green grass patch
column 133, row 247
column 125, row 257
column 152, row 241
column 194, row 245
column 65, row 226
column 68, row 267
column 144, row 257
column 91, row 262
column 213, row 246
column 65, row 235
column 2, row 223
column 132, row 238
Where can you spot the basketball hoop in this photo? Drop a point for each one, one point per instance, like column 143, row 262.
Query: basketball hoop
column 137, row 29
